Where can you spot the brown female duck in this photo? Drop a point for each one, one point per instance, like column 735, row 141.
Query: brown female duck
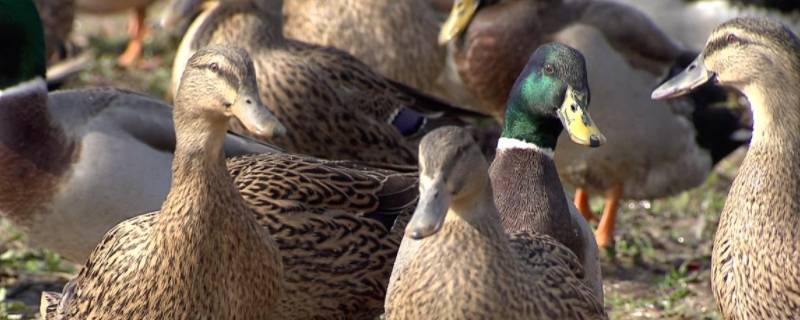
column 522, row 275
column 203, row 254
column 334, row 106
column 756, row 257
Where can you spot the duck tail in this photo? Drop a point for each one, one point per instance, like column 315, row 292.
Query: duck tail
column 721, row 127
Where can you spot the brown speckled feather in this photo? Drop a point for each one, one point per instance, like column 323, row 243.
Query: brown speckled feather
column 334, row 223
column 334, row 106
column 759, row 279
column 532, row 275
column 396, row 38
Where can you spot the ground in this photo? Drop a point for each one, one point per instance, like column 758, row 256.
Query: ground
column 659, row 268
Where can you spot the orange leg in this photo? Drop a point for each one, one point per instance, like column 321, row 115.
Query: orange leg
column 136, row 31
column 582, row 203
column 605, row 230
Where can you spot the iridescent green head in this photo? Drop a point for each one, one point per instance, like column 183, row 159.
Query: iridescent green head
column 551, row 93
column 23, row 56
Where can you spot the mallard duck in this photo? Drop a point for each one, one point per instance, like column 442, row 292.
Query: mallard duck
column 136, row 25
column 521, row 275
column 627, row 54
column 396, row 38
column 336, row 223
column 75, row 163
column 552, row 90
column 333, row 105
column 203, row 254
column 755, row 273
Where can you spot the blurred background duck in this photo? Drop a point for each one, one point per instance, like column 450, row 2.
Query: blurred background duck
column 77, row 162
column 506, row 275
column 755, row 273
column 654, row 149
column 333, row 105
column 203, row 254
column 395, row 38
column 137, row 29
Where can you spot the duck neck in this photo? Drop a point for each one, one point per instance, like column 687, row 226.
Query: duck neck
column 477, row 208
column 530, row 128
column 202, row 191
column 776, row 116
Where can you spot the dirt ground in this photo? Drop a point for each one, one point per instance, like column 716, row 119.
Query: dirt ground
column 659, row 268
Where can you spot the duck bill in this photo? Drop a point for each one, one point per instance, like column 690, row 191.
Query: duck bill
column 692, row 77
column 431, row 211
column 179, row 10
column 458, row 20
column 256, row 117
column 576, row 120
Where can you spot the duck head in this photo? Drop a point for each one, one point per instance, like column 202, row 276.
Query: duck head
column 550, row 95
column 453, row 174
column 743, row 53
column 220, row 84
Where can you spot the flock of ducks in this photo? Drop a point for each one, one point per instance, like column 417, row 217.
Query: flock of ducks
column 307, row 169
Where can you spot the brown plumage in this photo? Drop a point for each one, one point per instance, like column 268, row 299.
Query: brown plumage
column 203, row 254
column 464, row 265
column 755, row 273
column 337, row 224
column 396, row 38
column 334, row 106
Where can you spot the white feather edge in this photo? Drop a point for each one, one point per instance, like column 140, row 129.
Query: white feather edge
column 510, row 143
column 35, row 85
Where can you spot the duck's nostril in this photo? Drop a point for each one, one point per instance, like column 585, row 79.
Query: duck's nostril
column 248, row 101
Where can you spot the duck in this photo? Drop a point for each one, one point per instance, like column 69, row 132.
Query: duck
column 519, row 275
column 627, row 56
column 203, row 253
column 334, row 106
column 137, row 29
column 78, row 162
column 754, row 262
column 337, row 224
column 395, row 38
column 551, row 94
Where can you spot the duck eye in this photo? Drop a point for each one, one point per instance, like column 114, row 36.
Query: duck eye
column 214, row 67
column 732, row 38
column 548, row 69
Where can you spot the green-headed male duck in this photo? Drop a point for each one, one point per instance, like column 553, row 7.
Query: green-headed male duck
column 550, row 95
column 668, row 148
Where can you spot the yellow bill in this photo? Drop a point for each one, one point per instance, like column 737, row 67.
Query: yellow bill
column 577, row 122
column 457, row 22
